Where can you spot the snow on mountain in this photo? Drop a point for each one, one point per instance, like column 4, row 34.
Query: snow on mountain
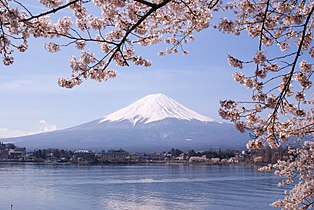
column 153, row 123
column 153, row 108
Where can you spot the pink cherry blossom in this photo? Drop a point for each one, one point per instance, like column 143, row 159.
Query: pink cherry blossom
column 279, row 75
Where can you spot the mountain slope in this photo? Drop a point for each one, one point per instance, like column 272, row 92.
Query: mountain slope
column 153, row 123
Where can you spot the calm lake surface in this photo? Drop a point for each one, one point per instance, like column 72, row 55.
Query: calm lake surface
column 147, row 187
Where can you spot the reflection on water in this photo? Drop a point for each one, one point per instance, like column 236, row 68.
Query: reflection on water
column 47, row 187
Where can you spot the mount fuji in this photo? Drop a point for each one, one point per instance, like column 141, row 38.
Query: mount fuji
column 153, row 108
column 153, row 123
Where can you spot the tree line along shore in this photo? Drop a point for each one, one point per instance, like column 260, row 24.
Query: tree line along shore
column 11, row 153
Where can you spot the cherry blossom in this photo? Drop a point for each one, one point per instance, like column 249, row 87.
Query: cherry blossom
column 278, row 75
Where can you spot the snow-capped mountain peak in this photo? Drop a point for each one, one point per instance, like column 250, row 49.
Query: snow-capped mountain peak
column 153, row 108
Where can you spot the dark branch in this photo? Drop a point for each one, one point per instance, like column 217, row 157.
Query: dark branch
column 54, row 10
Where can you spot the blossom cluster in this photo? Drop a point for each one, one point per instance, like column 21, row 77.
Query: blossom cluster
column 281, row 107
column 298, row 167
column 279, row 73
column 51, row 3
column 279, row 83
column 116, row 29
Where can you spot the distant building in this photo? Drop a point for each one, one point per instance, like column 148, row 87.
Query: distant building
column 198, row 159
column 9, row 151
column 182, row 156
column 4, row 154
column 215, row 160
column 114, row 155
column 83, row 155
column 17, row 153
column 82, row 151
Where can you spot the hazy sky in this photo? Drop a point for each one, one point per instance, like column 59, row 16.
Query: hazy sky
column 31, row 101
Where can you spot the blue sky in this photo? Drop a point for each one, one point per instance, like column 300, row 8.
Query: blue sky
column 31, row 100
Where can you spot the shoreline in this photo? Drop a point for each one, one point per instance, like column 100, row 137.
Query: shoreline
column 127, row 163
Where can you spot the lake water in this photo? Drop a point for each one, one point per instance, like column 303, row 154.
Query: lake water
column 147, row 187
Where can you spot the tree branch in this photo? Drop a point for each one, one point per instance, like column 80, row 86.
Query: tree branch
column 54, row 10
